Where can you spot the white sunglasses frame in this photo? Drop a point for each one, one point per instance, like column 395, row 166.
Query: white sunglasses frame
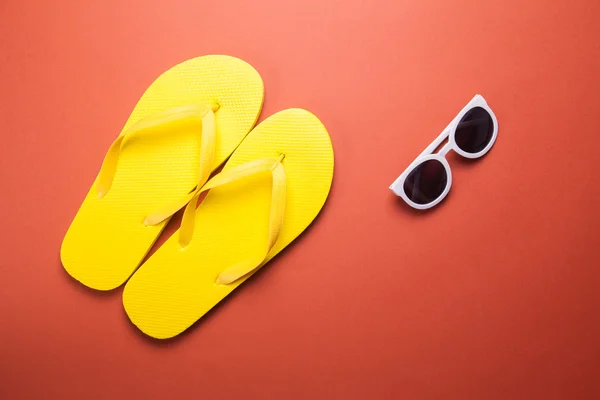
column 448, row 133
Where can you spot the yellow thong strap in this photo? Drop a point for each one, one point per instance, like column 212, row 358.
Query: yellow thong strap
column 200, row 117
column 278, row 191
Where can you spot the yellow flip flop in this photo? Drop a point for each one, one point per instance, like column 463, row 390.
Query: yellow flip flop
column 186, row 124
column 270, row 190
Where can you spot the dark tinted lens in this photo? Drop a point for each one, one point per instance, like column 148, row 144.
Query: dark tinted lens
column 426, row 182
column 474, row 131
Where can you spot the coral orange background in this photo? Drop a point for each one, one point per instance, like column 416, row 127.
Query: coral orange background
column 493, row 295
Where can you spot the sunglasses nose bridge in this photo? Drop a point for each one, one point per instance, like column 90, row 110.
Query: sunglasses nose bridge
column 447, row 147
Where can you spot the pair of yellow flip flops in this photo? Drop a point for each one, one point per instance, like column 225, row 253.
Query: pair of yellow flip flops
column 193, row 118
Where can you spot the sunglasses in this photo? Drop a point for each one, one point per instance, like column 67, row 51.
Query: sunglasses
column 471, row 134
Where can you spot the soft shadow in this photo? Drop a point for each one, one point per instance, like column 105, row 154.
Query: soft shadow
column 174, row 341
column 256, row 279
column 454, row 157
column 81, row 288
column 413, row 212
